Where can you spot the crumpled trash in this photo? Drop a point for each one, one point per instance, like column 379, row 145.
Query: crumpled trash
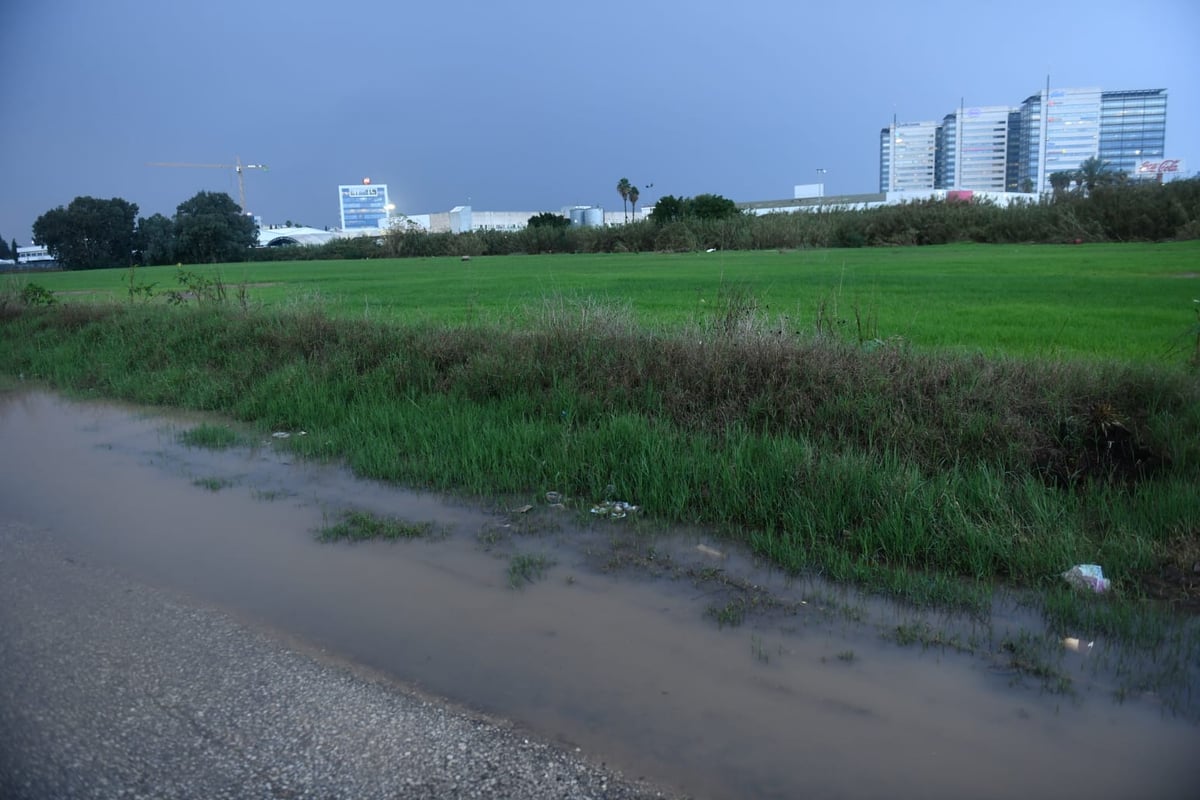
column 1077, row 645
column 1087, row 576
column 614, row 509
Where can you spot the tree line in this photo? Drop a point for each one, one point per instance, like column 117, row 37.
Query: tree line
column 93, row 233
column 209, row 228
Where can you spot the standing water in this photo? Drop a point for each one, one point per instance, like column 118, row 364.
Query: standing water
column 808, row 700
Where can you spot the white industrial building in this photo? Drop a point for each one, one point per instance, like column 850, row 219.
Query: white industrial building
column 860, row 202
column 279, row 235
column 35, row 255
column 371, row 203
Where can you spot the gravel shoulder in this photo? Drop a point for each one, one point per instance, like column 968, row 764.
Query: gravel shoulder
column 114, row 689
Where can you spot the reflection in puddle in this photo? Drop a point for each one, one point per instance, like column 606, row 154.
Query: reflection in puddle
column 798, row 701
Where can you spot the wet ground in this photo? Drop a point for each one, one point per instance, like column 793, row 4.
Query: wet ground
column 804, row 698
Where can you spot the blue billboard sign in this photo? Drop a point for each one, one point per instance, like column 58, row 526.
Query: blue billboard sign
column 363, row 206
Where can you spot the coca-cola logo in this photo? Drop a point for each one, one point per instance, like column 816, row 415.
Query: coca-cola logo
column 1166, row 165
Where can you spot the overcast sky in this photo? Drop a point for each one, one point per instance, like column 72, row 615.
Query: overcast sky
column 530, row 105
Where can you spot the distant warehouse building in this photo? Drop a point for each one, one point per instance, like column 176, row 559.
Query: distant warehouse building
column 860, row 202
column 35, row 256
column 283, row 235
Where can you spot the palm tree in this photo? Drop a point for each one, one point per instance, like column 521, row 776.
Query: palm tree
column 623, row 187
column 1092, row 172
column 633, row 198
column 1060, row 182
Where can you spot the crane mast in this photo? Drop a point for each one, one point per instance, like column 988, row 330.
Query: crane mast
column 237, row 166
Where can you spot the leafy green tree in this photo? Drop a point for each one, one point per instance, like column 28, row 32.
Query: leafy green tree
column 548, row 219
column 89, row 233
column 210, row 228
column 4, row 251
column 634, row 194
column 703, row 206
column 669, row 208
column 711, row 206
column 156, row 240
column 623, row 187
column 14, row 249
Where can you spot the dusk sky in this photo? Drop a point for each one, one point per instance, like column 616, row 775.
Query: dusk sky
column 531, row 105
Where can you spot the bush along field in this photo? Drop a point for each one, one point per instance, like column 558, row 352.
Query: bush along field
column 931, row 476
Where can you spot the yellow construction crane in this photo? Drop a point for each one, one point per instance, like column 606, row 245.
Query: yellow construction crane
column 237, row 166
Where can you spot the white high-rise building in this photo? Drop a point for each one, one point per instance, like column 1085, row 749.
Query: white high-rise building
column 974, row 152
column 908, row 156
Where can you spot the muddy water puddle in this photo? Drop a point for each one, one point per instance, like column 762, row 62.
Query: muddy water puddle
column 804, row 698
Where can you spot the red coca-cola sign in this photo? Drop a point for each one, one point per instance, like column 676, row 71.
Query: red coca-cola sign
column 1159, row 167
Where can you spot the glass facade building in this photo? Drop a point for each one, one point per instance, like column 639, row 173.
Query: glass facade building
column 1012, row 164
column 1002, row 148
column 1029, row 143
column 1070, row 131
column 885, row 159
column 1133, row 128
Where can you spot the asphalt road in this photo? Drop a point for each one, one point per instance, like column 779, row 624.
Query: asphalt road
column 114, row 689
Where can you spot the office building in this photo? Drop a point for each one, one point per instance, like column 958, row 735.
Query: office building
column 1017, row 149
column 1061, row 131
column 1133, row 127
column 908, row 156
column 974, row 153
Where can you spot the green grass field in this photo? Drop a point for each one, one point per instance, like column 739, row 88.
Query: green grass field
column 1120, row 301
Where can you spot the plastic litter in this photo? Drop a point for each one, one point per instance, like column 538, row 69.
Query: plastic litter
column 553, row 497
column 280, row 435
column 1076, row 646
column 1087, row 576
column 522, row 509
column 710, row 551
column 614, row 509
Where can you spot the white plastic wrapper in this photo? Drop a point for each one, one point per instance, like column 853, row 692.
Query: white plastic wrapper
column 1087, row 576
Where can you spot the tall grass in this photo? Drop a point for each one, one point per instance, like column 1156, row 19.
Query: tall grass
column 918, row 473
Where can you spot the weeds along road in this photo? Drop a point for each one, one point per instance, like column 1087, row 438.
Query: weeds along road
column 110, row 688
